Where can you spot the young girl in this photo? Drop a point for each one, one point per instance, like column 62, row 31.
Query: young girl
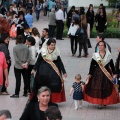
column 77, row 87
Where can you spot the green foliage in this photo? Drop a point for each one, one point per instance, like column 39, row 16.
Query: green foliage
column 108, row 33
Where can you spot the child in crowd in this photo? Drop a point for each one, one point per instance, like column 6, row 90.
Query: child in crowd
column 77, row 87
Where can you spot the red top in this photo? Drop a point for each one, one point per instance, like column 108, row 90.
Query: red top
column 3, row 65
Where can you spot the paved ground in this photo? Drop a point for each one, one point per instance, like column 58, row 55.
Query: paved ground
column 73, row 65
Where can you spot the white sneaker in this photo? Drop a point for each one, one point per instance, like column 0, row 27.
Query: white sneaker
column 76, row 108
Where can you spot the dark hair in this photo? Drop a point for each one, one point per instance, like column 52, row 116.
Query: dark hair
column 26, row 26
column 3, row 37
column 82, row 10
column 101, row 36
column 6, row 113
column 76, row 21
column 101, row 4
column 46, row 29
column 73, row 7
column 19, row 39
column 91, row 5
column 53, row 113
column 103, row 43
column 51, row 41
column 76, row 11
column 31, row 40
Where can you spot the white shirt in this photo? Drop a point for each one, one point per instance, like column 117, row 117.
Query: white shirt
column 72, row 29
column 38, row 42
column 59, row 15
column 33, row 53
column 26, row 34
column 15, row 9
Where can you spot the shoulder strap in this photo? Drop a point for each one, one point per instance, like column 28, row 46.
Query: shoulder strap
column 105, row 71
column 109, row 76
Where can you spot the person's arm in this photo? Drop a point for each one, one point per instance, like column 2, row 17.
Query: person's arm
column 62, row 68
column 93, row 64
column 33, row 8
column 5, row 70
column 6, row 77
column 88, row 30
column 112, row 67
column 71, row 91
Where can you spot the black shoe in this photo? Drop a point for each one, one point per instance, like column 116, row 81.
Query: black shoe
column 79, row 56
column 14, row 96
column 25, row 95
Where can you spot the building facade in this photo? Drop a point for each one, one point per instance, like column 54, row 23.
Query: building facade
column 85, row 3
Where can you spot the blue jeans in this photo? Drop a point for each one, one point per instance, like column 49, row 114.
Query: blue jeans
column 37, row 14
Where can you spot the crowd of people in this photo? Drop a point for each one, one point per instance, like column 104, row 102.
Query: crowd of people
column 39, row 55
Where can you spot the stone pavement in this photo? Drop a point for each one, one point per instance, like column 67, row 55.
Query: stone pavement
column 73, row 65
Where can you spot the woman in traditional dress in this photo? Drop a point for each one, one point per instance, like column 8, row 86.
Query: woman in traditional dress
column 49, row 67
column 99, row 87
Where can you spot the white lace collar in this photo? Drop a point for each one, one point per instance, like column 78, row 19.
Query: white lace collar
column 105, row 60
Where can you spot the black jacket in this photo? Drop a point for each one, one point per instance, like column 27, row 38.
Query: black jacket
column 32, row 111
column 90, row 17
